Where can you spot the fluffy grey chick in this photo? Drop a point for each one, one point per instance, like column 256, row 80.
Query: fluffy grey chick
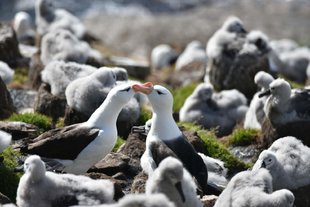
column 162, row 56
column 63, row 45
column 171, row 179
column 194, row 52
column 5, row 140
column 253, row 189
column 46, row 189
column 256, row 115
column 86, row 94
column 58, row 74
column 214, row 110
column 48, row 18
column 141, row 200
column 287, row 161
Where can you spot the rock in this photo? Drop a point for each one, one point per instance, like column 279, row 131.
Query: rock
column 138, row 185
column 236, row 68
column 112, row 163
column 6, row 104
column 9, row 51
column 208, row 200
column 302, row 198
column 23, row 99
column 48, row 104
column 19, row 130
column 35, row 68
column 118, row 193
column 193, row 72
column 245, row 153
column 195, row 140
column 135, row 69
column 73, row 116
column 4, row 199
column 134, row 146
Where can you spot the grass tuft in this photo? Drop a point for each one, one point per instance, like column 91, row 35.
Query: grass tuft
column 119, row 142
column 216, row 149
column 20, row 78
column 41, row 121
column 8, row 178
column 181, row 94
column 244, row 137
column 144, row 116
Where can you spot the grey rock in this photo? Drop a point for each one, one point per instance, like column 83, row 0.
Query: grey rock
column 6, row 104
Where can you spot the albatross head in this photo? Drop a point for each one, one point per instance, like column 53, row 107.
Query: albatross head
column 278, row 88
column 160, row 97
column 121, row 94
column 204, row 91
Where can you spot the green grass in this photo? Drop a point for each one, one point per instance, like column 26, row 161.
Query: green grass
column 244, row 137
column 181, row 94
column 119, row 143
column 216, row 149
column 41, row 121
column 20, row 77
column 144, row 116
column 8, row 179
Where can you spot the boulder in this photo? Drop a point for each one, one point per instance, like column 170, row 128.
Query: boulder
column 48, row 104
column 208, row 200
column 138, row 184
column 6, row 104
column 19, row 130
column 9, row 51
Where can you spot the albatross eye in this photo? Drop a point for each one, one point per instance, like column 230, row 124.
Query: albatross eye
column 160, row 92
column 125, row 89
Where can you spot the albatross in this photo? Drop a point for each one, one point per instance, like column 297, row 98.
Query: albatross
column 79, row 146
column 164, row 129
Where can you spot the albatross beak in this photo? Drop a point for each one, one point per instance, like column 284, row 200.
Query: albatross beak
column 180, row 190
column 264, row 93
column 145, row 88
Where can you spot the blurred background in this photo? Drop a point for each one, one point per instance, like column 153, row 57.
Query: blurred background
column 134, row 27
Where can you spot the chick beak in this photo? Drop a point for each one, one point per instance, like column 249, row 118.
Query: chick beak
column 264, row 93
column 145, row 88
column 180, row 190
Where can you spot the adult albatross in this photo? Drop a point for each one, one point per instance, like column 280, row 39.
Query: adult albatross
column 77, row 147
column 164, row 129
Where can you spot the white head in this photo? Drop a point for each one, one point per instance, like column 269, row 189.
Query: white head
column 22, row 23
column 160, row 97
column 234, row 25
column 278, row 88
column 263, row 79
column 35, row 168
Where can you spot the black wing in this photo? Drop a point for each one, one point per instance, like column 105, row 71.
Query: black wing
column 160, row 151
column 62, row 143
column 300, row 102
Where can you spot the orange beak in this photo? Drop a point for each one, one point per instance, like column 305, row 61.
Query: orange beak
column 145, row 88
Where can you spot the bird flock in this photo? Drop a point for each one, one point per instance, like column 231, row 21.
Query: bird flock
column 177, row 174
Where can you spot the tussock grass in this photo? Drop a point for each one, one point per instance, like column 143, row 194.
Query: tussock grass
column 216, row 149
column 41, row 121
column 243, row 137
column 8, row 178
column 119, row 142
column 181, row 94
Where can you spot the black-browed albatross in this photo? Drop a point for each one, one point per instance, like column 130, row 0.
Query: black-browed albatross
column 77, row 147
column 164, row 129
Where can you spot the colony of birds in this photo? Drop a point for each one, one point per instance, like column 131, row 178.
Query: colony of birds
column 240, row 88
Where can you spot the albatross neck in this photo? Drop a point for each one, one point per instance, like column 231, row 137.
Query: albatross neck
column 164, row 126
column 105, row 114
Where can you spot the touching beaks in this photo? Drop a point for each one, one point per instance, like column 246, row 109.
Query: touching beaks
column 145, row 88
